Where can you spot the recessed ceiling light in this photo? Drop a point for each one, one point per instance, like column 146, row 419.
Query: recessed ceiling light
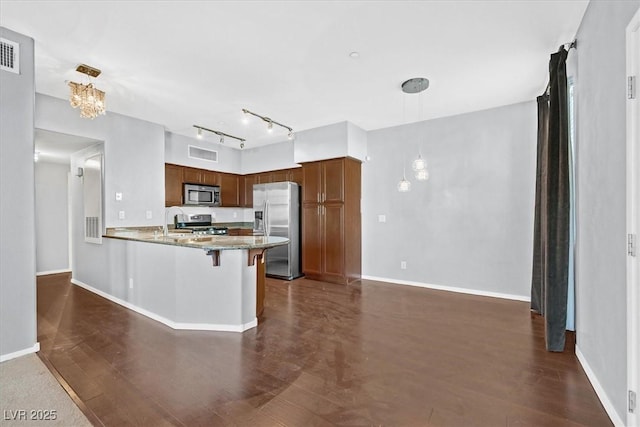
column 354, row 54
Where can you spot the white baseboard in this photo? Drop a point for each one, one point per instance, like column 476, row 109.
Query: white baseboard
column 450, row 288
column 45, row 273
column 35, row 348
column 168, row 322
column 602, row 395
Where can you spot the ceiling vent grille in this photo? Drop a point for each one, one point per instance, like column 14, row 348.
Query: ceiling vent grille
column 202, row 154
column 9, row 56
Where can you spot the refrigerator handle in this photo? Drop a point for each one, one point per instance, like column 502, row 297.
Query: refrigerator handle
column 266, row 218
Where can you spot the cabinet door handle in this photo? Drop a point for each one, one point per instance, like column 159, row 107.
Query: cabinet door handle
column 318, row 209
column 324, row 195
column 318, row 197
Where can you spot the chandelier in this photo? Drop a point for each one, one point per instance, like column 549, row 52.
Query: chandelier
column 87, row 97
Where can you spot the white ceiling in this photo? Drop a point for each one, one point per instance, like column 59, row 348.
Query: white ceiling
column 180, row 63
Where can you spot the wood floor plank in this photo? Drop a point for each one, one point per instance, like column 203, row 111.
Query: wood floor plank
column 365, row 354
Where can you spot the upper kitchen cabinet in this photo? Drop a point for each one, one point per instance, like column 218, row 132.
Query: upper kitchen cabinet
column 229, row 190
column 295, row 175
column 264, row 177
column 280, row 175
column 173, row 178
column 324, row 181
column 246, row 190
column 201, row 176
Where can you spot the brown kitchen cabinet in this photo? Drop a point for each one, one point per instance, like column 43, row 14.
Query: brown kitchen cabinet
column 295, row 175
column 280, row 175
column 229, row 190
column 324, row 182
column 331, row 225
column 200, row 176
column 247, row 190
column 192, row 175
column 236, row 190
column 173, row 176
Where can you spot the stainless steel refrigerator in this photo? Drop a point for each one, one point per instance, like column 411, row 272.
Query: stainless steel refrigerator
column 276, row 212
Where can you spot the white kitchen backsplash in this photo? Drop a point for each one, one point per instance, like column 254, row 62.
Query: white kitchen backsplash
column 219, row 214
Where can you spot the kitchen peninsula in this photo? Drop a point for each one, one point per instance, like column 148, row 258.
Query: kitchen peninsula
column 187, row 281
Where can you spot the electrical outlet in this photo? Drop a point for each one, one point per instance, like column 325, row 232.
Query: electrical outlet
column 121, row 215
column 119, row 197
column 130, row 283
column 403, row 265
column 235, row 214
column 382, row 218
column 149, row 215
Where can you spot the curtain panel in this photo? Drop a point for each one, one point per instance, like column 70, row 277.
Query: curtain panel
column 549, row 282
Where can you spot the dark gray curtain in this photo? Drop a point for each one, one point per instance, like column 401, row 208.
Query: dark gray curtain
column 549, row 283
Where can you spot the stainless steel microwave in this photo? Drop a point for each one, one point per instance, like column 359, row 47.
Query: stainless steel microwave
column 201, row 195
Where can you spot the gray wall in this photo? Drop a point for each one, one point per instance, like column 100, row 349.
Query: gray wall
column 601, row 186
column 134, row 159
column 177, row 151
column 17, row 223
column 267, row 158
column 52, row 217
column 471, row 224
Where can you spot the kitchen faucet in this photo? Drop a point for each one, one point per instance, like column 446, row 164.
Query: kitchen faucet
column 165, row 228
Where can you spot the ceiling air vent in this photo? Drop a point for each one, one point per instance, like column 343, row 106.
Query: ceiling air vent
column 9, row 56
column 202, row 154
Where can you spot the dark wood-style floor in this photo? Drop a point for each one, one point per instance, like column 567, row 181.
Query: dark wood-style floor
column 369, row 354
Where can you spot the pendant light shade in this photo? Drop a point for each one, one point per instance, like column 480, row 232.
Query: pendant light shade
column 404, row 185
column 422, row 175
column 419, row 163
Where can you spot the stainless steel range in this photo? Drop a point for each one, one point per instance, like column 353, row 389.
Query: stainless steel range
column 198, row 224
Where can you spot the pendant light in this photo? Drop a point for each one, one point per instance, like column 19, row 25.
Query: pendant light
column 418, row 85
column 419, row 163
column 404, row 185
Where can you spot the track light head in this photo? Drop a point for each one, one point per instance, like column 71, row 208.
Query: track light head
column 269, row 126
column 221, row 139
column 199, row 134
column 291, row 135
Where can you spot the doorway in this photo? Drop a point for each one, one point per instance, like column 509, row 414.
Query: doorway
column 633, row 221
column 52, row 199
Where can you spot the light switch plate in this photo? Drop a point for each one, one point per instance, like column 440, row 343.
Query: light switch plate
column 118, row 196
column 121, row 215
column 149, row 214
column 382, row 218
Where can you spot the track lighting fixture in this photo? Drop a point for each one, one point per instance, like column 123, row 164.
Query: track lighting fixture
column 269, row 122
column 222, row 135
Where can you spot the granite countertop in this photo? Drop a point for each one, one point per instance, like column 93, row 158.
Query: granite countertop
column 206, row 242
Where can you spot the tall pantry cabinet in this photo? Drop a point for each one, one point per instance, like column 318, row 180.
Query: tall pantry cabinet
column 331, row 231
